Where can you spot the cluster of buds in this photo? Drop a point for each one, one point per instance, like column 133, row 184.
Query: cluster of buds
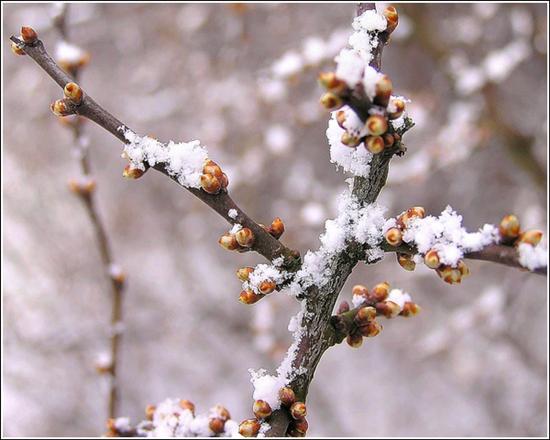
column 394, row 235
column 276, row 229
column 449, row 274
column 361, row 321
column 73, row 98
column 217, row 417
column 511, row 234
column 82, row 186
column 28, row 36
column 240, row 240
column 213, row 179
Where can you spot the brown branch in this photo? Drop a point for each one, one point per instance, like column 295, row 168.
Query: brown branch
column 264, row 243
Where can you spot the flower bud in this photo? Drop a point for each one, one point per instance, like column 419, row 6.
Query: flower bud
column 383, row 89
column 245, row 237
column 216, row 425
column 370, row 329
column 221, row 412
column 380, row 292
column 509, row 227
column 396, row 108
column 16, row 49
column 298, row 410
column 150, row 412
column 377, row 125
column 406, row 261
column 187, row 404
column 212, row 168
column 266, row 287
column 224, row 181
column 388, row 140
column 410, row 309
column 415, row 212
column 393, row 237
column 229, row 242
column 249, row 428
column 375, row 144
column 431, row 259
column 277, row 228
column 360, row 290
column 28, row 34
column 210, row 184
column 532, row 237
column 131, row 172
column 364, row 315
column 349, row 140
column 73, row 92
column 300, row 425
column 392, row 19
column 61, row 108
column 243, row 273
column 463, row 268
column 287, row 396
column 343, row 307
column 388, row 308
column 261, row 409
column 249, row 297
column 354, row 340
column 331, row 82
column 449, row 274
column 341, row 118
column 331, row 101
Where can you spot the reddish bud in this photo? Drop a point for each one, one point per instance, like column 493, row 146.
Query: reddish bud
column 449, row 274
column 187, row 404
column 509, row 227
column 380, row 292
column 370, row 329
column 331, row 101
column 392, row 19
column 388, row 140
column 216, row 425
column 61, row 108
column 532, row 237
column 210, row 184
column 410, row 309
column 212, row 168
column 28, row 34
column 383, row 89
column 377, row 125
column 229, row 242
column 266, row 287
column 406, row 261
column 287, row 396
column 73, row 92
column 396, row 108
column 243, row 273
column 343, row 307
column 221, row 412
column 131, row 172
column 300, row 425
column 393, row 237
column 375, row 144
column 245, row 237
column 431, row 259
column 341, row 118
column 261, row 409
column 298, row 410
column 364, row 315
column 249, row 297
column 349, row 140
column 329, row 81
column 355, row 340
column 249, row 428
column 360, row 290
column 277, row 228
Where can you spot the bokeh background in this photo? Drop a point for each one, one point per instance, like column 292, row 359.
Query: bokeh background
column 242, row 78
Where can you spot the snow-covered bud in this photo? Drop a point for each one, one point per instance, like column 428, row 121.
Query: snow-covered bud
column 375, row 144
column 377, row 125
column 212, row 168
column 414, row 212
column 380, row 292
column 300, row 425
column 245, row 237
column 370, row 329
column 389, row 140
column 73, row 92
column 61, row 108
column 16, row 49
column 150, row 412
column 509, row 227
column 117, row 274
column 383, row 89
column 410, row 309
column 261, row 409
column 229, row 242
column 249, row 297
column 221, row 412
column 393, row 237
column 277, row 228
column 298, row 410
column 341, row 118
column 349, row 140
column 365, row 315
column 243, row 273
column 216, row 425
column 249, row 428
column 449, row 274
column 532, row 237
column 388, row 308
column 210, row 184
column 396, row 108
column 82, row 186
column 392, row 19
column 28, row 34
column 463, row 268
column 431, row 259
column 331, row 82
column 266, row 287
column 343, row 307
column 406, row 261
column 187, row 404
column 331, row 101
column 355, row 339
column 360, row 291
column 131, row 172
column 287, row 396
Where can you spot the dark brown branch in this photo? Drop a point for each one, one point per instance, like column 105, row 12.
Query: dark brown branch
column 265, row 244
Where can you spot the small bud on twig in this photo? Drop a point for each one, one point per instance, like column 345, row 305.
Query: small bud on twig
column 298, row 410
column 216, row 425
column 532, row 237
column 341, row 118
column 331, row 101
column 82, row 186
column 410, row 309
column 261, row 409
column 333, row 84
column 249, row 428
column 212, row 168
column 355, row 339
column 383, row 89
column 392, row 19
column 131, row 172
column 365, row 315
column 375, row 144
column 393, row 237
column 61, row 108
column 396, row 108
column 243, row 273
column 28, row 34
column 229, row 242
column 277, row 228
column 266, row 287
column 449, row 274
column 380, row 292
column 431, row 259
column 509, row 227
column 388, row 308
column 16, row 49
column 210, row 184
column 343, row 307
column 73, row 92
column 249, row 297
column 301, row 426
column 287, row 396
column 377, row 125
column 406, row 261
column 245, row 237
column 349, row 140
column 187, row 404
column 370, row 329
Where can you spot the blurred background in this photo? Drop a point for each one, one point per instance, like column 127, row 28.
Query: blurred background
column 242, row 79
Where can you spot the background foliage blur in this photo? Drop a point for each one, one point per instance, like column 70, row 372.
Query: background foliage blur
column 473, row 363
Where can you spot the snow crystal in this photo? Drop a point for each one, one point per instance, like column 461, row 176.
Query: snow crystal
column 122, row 424
column 264, row 272
column 313, row 213
column 68, row 53
column 370, row 78
column 350, row 67
column 353, row 124
column 236, row 228
column 357, row 300
column 314, row 50
column 266, row 387
column 370, row 21
column 532, row 257
column 184, row 160
column 398, row 297
column 232, row 213
column 288, row 65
